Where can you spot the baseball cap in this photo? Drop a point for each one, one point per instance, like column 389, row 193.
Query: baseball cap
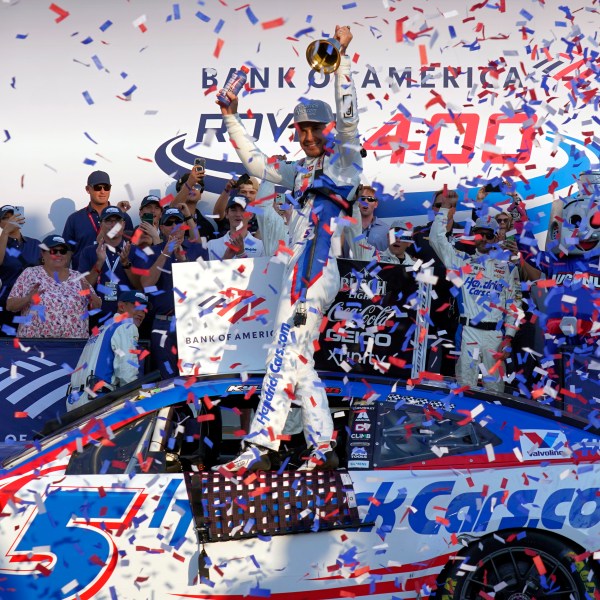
column 133, row 297
column 6, row 209
column 401, row 231
column 112, row 211
column 239, row 200
column 486, row 223
column 315, row 111
column 151, row 199
column 52, row 241
column 98, row 177
column 170, row 213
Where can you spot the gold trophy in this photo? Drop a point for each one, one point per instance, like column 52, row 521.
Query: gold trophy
column 324, row 55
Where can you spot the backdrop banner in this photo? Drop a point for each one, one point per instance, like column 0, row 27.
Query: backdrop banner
column 33, row 383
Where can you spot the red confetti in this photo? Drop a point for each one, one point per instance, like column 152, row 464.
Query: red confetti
column 218, row 47
column 274, row 23
column 61, row 12
column 20, row 415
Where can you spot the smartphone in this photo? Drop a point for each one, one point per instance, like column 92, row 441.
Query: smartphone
column 280, row 199
column 148, row 218
column 492, row 188
column 200, row 164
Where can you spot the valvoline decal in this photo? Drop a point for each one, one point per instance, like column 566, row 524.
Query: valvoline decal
column 436, row 506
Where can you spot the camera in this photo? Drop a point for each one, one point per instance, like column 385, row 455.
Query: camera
column 245, row 178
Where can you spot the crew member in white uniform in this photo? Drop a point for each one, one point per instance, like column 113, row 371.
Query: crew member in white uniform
column 110, row 358
column 489, row 301
column 311, row 279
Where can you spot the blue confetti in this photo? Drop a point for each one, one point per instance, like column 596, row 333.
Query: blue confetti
column 525, row 14
column 88, row 40
column 251, row 16
column 97, row 62
column 304, row 32
column 7, row 135
column 124, row 75
column 130, row 91
column 349, row 6
column 87, row 97
column 219, row 26
column 13, row 83
column 89, row 161
column 105, row 25
column 203, row 17
column 89, row 137
column 452, row 31
column 22, row 36
column 176, row 12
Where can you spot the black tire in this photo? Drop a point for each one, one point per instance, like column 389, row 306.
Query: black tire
column 506, row 567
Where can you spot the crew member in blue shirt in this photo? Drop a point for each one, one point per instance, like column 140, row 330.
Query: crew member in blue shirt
column 156, row 276
column 83, row 226
column 17, row 252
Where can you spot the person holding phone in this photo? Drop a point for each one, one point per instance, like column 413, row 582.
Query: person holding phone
column 189, row 188
column 17, row 252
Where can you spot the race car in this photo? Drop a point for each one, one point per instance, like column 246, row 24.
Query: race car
column 440, row 493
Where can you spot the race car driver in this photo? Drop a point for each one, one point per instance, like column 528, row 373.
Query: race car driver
column 323, row 184
column 489, row 301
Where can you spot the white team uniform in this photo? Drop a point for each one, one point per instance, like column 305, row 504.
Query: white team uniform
column 290, row 363
column 490, row 295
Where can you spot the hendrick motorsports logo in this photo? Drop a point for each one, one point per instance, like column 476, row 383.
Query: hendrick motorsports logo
column 550, row 445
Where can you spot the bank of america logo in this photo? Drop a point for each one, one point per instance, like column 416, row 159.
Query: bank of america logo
column 33, row 385
column 232, row 304
column 573, row 71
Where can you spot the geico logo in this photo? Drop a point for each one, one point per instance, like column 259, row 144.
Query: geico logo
column 468, row 512
column 354, row 337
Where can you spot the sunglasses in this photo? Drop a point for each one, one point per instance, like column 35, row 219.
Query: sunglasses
column 502, row 220
column 172, row 222
column 55, row 251
column 368, row 199
column 488, row 235
column 102, row 186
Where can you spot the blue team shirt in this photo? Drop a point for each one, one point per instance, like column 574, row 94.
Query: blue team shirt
column 18, row 256
column 81, row 229
column 162, row 299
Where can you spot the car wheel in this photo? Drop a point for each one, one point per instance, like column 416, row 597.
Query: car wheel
column 519, row 566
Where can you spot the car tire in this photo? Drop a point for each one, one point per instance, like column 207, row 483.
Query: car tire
column 523, row 565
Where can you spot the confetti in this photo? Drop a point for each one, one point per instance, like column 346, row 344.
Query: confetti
column 62, row 14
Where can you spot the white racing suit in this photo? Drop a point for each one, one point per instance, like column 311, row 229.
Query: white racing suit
column 489, row 301
column 107, row 357
column 290, row 370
